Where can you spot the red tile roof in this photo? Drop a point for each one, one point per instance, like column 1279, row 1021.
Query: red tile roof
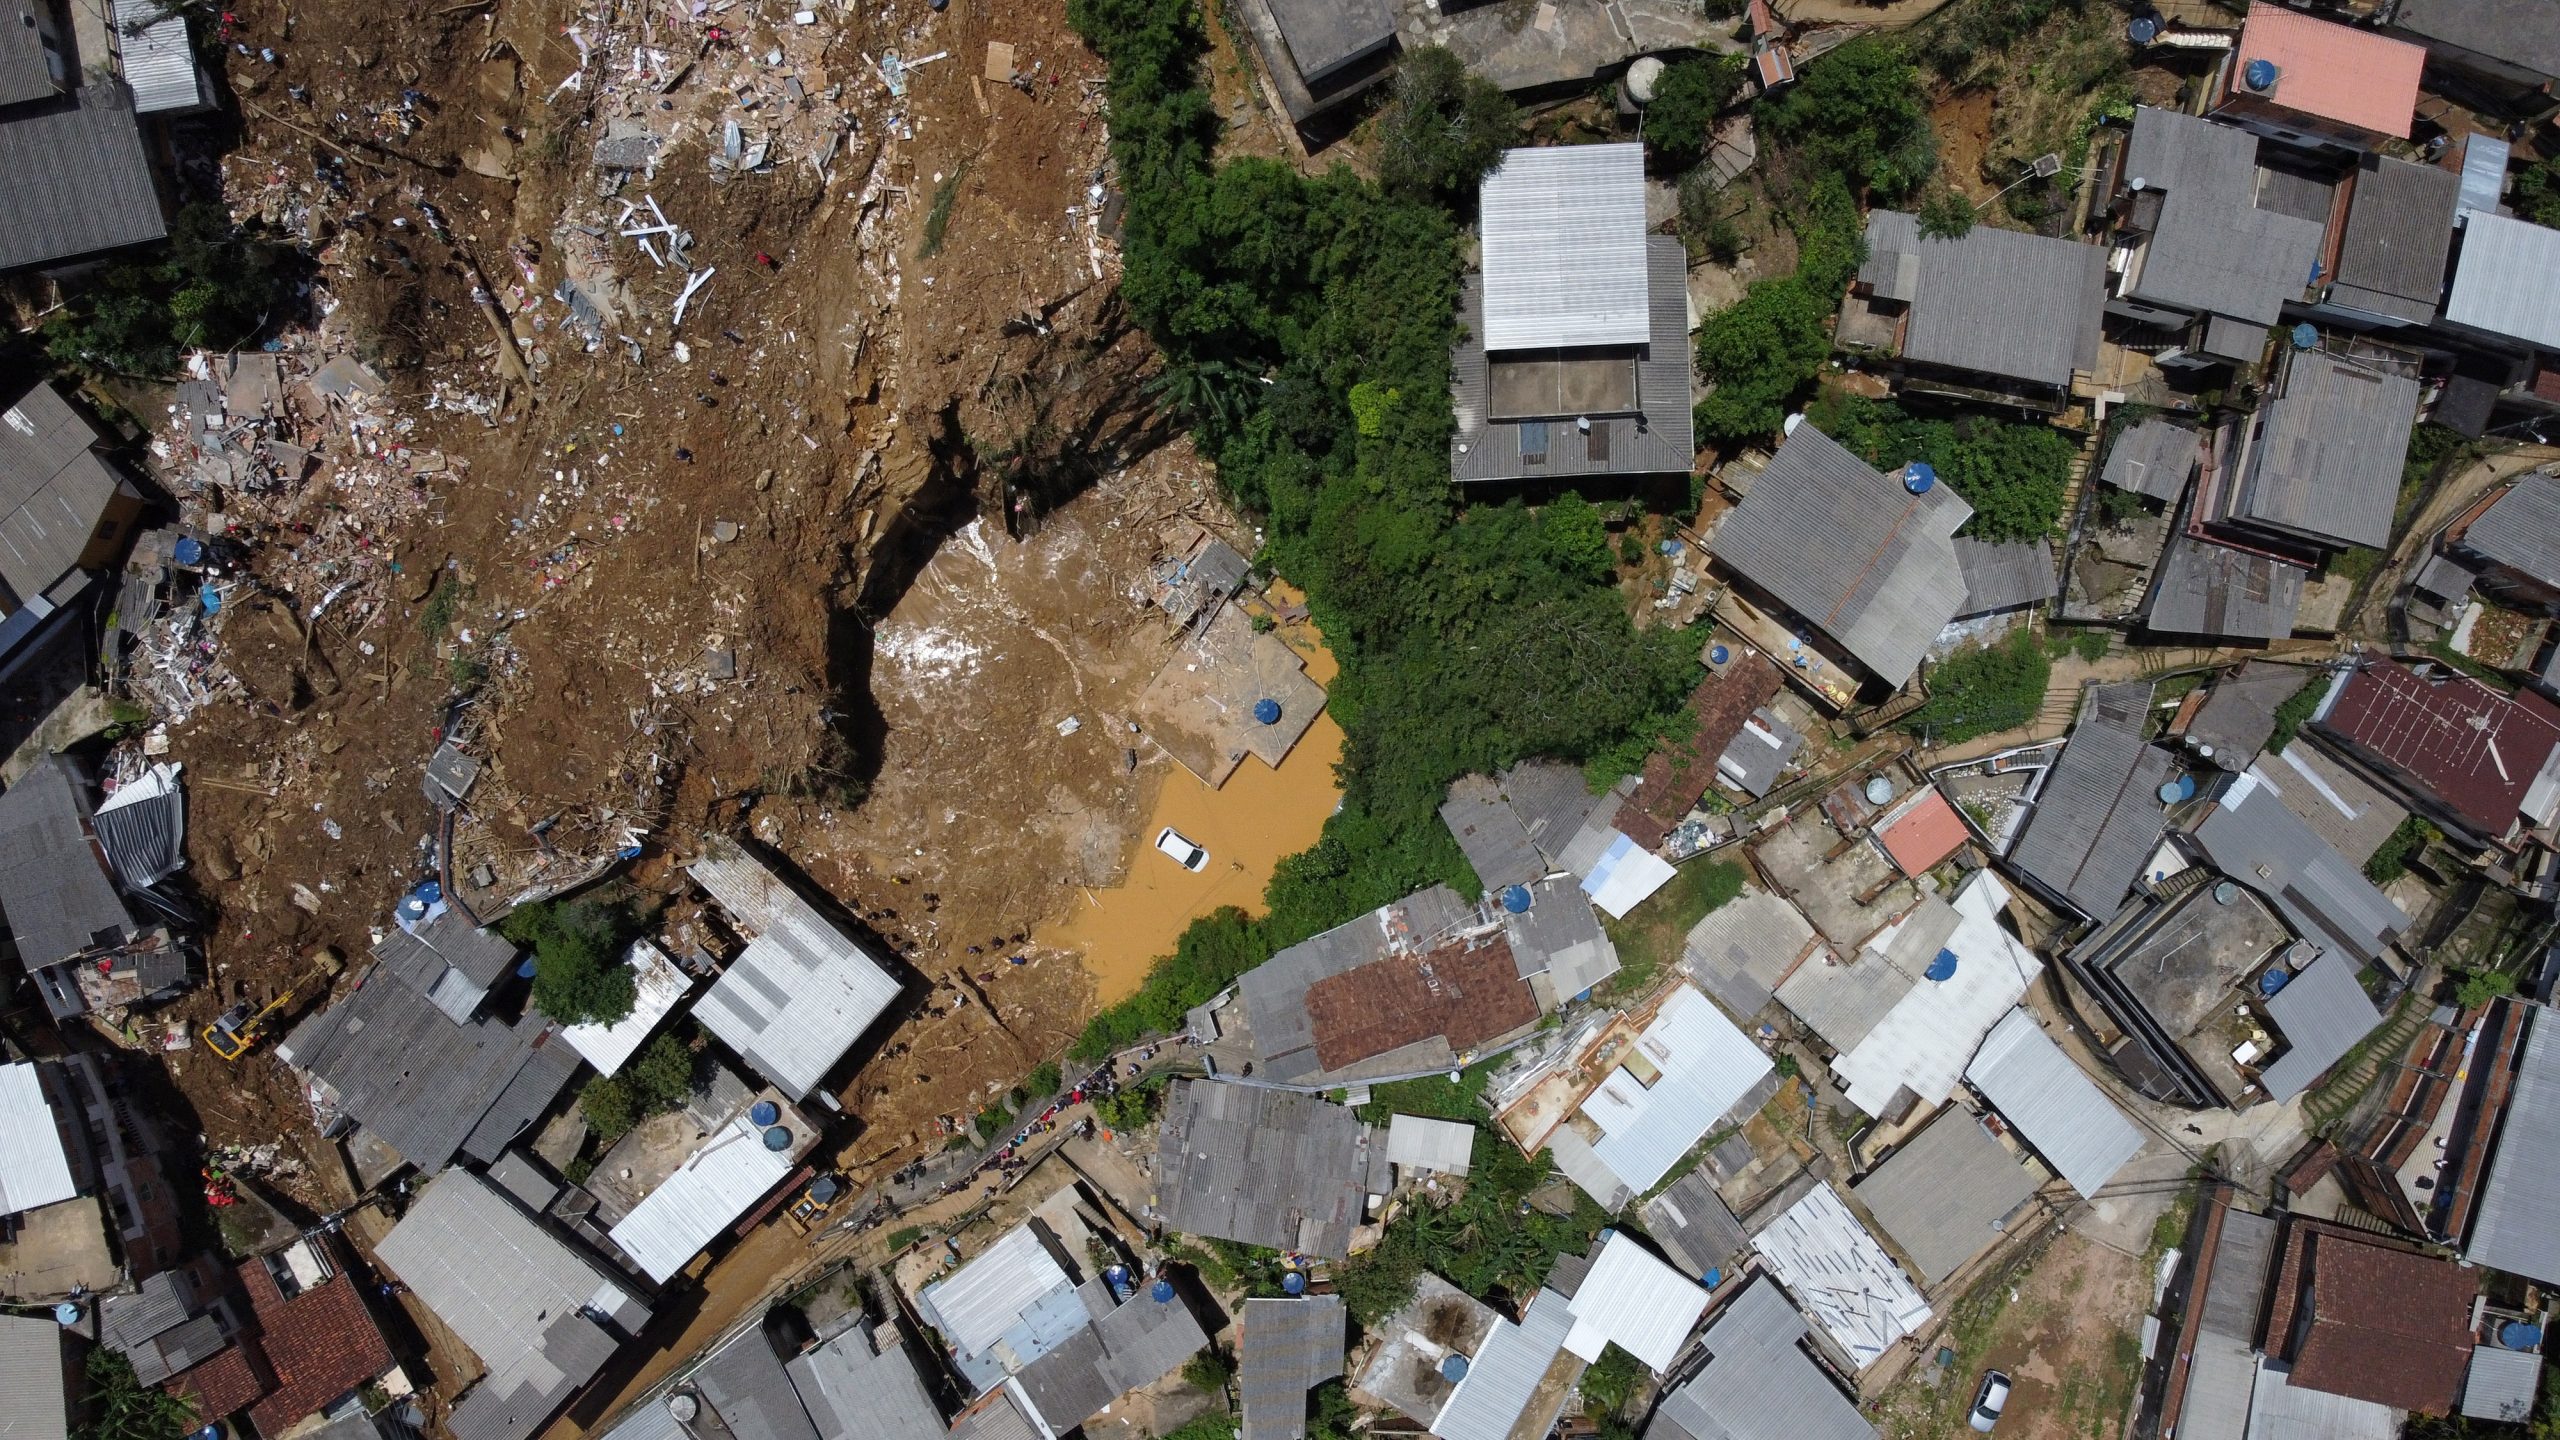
column 1924, row 835
column 2368, row 1318
column 321, row 1344
column 1468, row 995
column 2336, row 72
column 223, row 1385
column 2472, row 748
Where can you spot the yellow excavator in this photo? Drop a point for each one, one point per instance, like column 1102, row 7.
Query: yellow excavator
column 236, row 1031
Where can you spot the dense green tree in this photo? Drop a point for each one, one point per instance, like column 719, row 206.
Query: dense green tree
column 1679, row 124
column 121, row 1407
column 2013, row 475
column 577, row 945
column 1858, row 112
column 1446, row 127
column 207, row 286
column 1945, row 214
column 1759, row 355
column 1982, row 689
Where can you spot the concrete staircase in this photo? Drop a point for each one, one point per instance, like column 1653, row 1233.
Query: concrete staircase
column 2337, row 1095
column 2080, row 467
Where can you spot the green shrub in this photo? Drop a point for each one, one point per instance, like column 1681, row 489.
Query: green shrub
column 2014, row 476
column 578, row 976
column 119, row 1406
column 1611, row 1380
column 1680, row 123
column 1445, row 129
column 2295, row 712
column 2479, row 987
column 208, row 286
column 2390, row 860
column 1046, row 1079
column 1760, row 354
column 1945, row 214
column 1983, row 689
column 1857, row 112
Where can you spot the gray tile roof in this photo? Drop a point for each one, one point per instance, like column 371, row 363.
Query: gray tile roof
column 1739, row 951
column 2239, row 713
column 2224, row 1368
column 2501, row 279
column 745, row 1382
column 2324, row 454
column 517, row 1294
column 2342, row 807
column 1946, row 1193
column 424, row 1085
column 2208, row 589
column 57, row 897
column 2321, row 1014
column 1493, row 1401
column 1661, row 441
column 1263, row 1167
column 2214, row 250
column 2516, row 1227
column 855, row 1393
column 1760, row 753
column 2446, row 579
column 998, row 1416
column 25, row 74
column 2152, row 458
column 1564, row 248
column 1560, row 937
column 2052, row 1104
column 483, row 956
column 2399, row 227
column 1284, row 1349
column 1759, row 1383
column 158, row 1329
column 2521, row 531
column 1850, row 550
column 2501, row 1384
column 1695, row 1229
column 1126, row 1348
column 1324, row 35
column 2003, row 576
column 74, row 180
column 2515, row 32
column 1490, row 834
column 2251, row 837
column 1274, row 993
column 2099, row 815
column 54, row 487
column 1993, row 301
column 34, row 1391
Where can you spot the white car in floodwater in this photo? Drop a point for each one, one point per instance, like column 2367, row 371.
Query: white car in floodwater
column 1185, row 854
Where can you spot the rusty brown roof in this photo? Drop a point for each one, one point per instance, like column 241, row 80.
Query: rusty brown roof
column 1679, row 770
column 2366, row 1317
column 1467, row 993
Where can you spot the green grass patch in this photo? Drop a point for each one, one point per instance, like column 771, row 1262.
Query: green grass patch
column 1650, row 937
column 2486, row 675
column 904, row 1236
column 1983, row 689
column 2390, row 859
column 2295, row 712
column 938, row 218
column 1436, row 1096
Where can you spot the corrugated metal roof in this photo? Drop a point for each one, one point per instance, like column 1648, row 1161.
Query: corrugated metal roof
column 1922, row 1043
column 1285, row 1348
column 2225, row 1368
column 2517, row 1225
column 155, row 57
column 1739, row 951
column 1624, row 875
column 1490, row 833
column 2152, row 457
column 2340, row 805
column 803, row 992
column 1759, row 755
column 1759, row 1384
column 75, row 180
column 855, row 1393
column 2321, row 1013
column 653, row 1421
column 2476, row 751
column 1127, row 1347
column 1850, row 550
column 1419, row 1142
column 2399, row 226
column 33, row 1169
column 2239, row 713
column 1563, row 244
column 2521, row 530
column 1002, row 1415
column 1502, row 1377
column 2484, row 157
column 1944, row 1195
column 1636, row 1301
column 707, row 1193
column 33, row 1392
column 2325, row 449
column 1993, row 301
column 2501, row 1385
column 2207, row 589
column 2003, row 575
column 1560, row 937
column 2333, row 71
column 2053, row 1103
column 2099, row 816
column 2501, row 281
column 745, row 1383
column 1262, row 1167
column 1694, row 1228
column 989, row 1297
column 2213, row 249
column 2279, row 1410
column 1843, row 1278
column 58, row 898
column 1706, row 1065
column 1658, row 439
column 143, row 827
column 2255, row 840
column 662, row 989
column 26, row 70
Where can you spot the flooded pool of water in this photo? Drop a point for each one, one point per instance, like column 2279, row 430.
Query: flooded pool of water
column 1257, row 817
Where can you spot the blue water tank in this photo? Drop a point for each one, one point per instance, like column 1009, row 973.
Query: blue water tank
column 1715, row 1276
column 1293, row 1283
column 777, row 1138
column 2520, row 1335
column 212, row 600
column 2259, row 74
column 2168, row 792
column 2143, row 30
column 2186, row 787
column 1919, row 477
column 66, row 1313
column 1515, row 898
column 525, row 968
column 1161, row 1292
column 188, row 551
column 2272, row 981
column 1943, row 968
column 764, row 1112
column 1453, row 1368
column 1718, row 655
column 2305, row 338
column 1267, row 711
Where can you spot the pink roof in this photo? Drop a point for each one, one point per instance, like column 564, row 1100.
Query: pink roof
column 2336, row 72
column 1925, row 834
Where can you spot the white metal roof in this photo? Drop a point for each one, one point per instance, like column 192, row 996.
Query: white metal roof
column 1706, row 1063
column 2502, row 282
column 33, row 1170
column 709, row 1191
column 1624, row 875
column 2281, row 1410
column 2053, row 1102
column 1843, row 1278
column 662, row 988
column 982, row 1300
column 1418, row 1142
column 2501, row 1384
column 1563, row 231
column 1923, row 1042
column 1502, row 1377
column 156, row 59
column 803, row 992
column 32, row 1395
column 1637, row 1301
column 495, row 1276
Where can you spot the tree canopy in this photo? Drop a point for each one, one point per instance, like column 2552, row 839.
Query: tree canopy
column 1679, row 124
column 578, row 974
column 121, row 1407
column 1857, row 113
column 206, row 286
column 1446, row 127
column 2014, row 476
column 1983, row 689
column 1760, row 354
